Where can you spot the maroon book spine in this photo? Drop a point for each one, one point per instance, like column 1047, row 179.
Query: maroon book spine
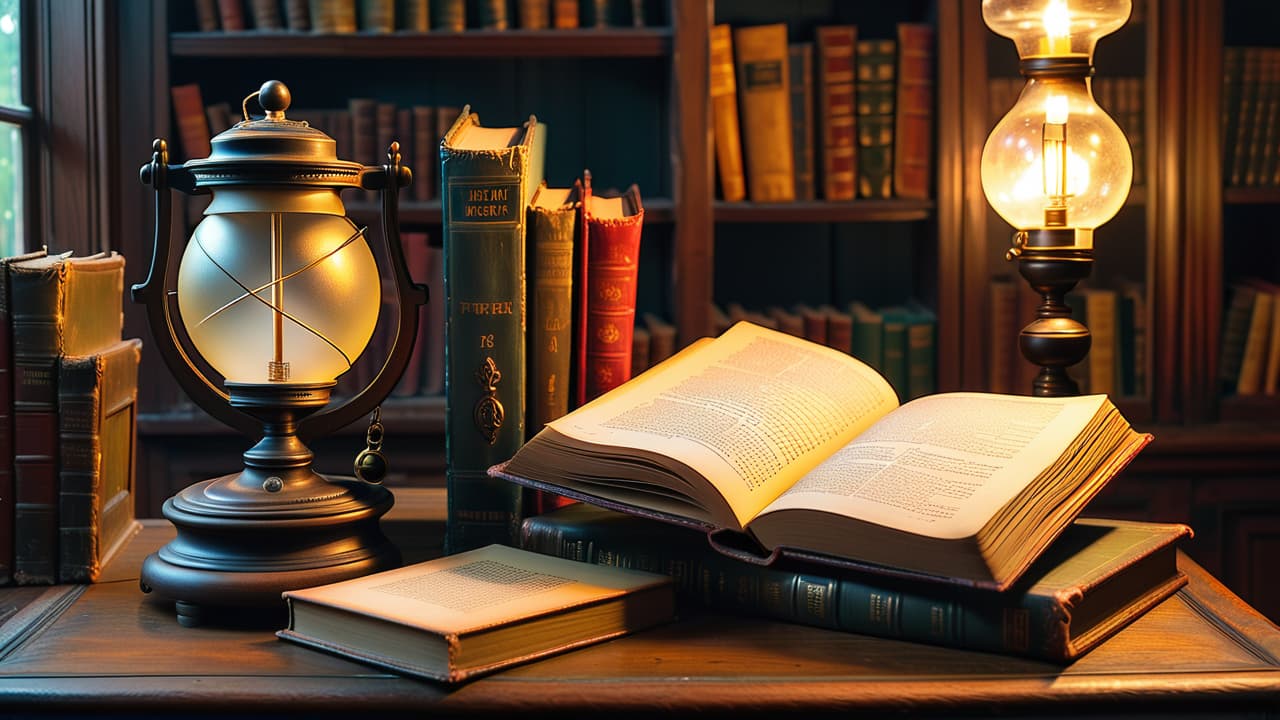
column 612, row 272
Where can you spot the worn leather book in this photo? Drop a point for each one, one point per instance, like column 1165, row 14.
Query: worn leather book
column 378, row 16
column 193, row 124
column 298, row 16
column 876, row 92
column 867, row 336
column 417, row 17
column 489, row 175
column 662, row 338
column 6, row 415
column 614, row 226
column 97, row 446
column 493, row 14
column 780, row 447
column 727, row 135
column 458, row 617
column 231, row 13
column 554, row 225
column 207, row 15
column 61, row 306
column 1098, row 577
column 760, row 57
column 449, row 15
column 913, row 121
column 426, row 149
column 266, row 15
column 564, row 14
column 534, row 14
column 837, row 145
column 800, row 63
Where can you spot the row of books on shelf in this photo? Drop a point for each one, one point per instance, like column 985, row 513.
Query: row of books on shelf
column 68, row 396
column 388, row 16
column 362, row 131
column 836, row 118
column 898, row 341
column 1120, row 97
column 1250, row 357
column 1117, row 320
column 1250, row 116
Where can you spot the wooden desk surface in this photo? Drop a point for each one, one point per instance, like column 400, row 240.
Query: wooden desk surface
column 113, row 649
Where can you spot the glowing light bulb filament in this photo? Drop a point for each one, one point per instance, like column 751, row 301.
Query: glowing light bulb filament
column 1054, row 160
column 1057, row 28
column 277, row 368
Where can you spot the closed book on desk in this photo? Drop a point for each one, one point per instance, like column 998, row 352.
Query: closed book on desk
column 778, row 447
column 489, row 175
column 61, row 306
column 458, row 617
column 1095, row 579
column 614, row 225
column 97, row 443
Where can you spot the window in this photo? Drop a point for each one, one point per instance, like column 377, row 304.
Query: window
column 15, row 127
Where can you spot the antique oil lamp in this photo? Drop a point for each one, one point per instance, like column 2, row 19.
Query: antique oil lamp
column 277, row 294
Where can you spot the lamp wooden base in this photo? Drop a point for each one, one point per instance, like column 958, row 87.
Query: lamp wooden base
column 277, row 525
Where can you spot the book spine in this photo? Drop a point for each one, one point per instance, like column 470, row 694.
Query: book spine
column 378, row 16
column 551, row 313
column 1102, row 311
column 193, row 126
column 801, row 67
column 724, row 116
column 913, row 128
column 207, row 15
column 484, row 291
column 231, row 13
column 451, row 16
column 425, row 152
column 640, row 344
column 613, row 266
column 920, row 355
column 417, row 15
column 297, row 15
column 1028, row 625
column 1235, row 330
column 266, row 15
column 493, row 14
column 895, row 352
column 344, row 16
column 760, row 55
column 875, row 97
column 37, row 308
column 534, row 14
column 836, row 117
column 564, row 14
column 322, row 16
column 96, row 399
column 1249, row 87
column 1253, row 361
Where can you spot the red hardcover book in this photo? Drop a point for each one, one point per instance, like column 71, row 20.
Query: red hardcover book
column 193, row 124
column 613, row 226
column 232, row 14
column 913, row 161
column 836, row 115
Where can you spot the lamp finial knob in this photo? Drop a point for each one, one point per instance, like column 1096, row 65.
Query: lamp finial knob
column 274, row 96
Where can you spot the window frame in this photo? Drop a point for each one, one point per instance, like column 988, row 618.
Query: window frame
column 26, row 117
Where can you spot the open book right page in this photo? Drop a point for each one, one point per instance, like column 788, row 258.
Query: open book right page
column 751, row 411
column 942, row 466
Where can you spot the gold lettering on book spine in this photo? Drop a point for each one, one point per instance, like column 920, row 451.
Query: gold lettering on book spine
column 488, row 413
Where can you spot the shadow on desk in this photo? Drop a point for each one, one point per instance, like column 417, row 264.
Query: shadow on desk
column 109, row 649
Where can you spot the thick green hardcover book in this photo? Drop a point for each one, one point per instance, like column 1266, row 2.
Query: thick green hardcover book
column 97, row 443
column 488, row 176
column 555, row 217
column 921, row 348
column 868, row 335
column 894, row 347
column 876, row 92
column 1099, row 576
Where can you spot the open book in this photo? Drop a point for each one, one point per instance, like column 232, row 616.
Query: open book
column 805, row 449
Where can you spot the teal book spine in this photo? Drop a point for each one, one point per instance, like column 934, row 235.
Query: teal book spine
column 894, row 348
column 1099, row 576
column 486, row 188
column 921, row 350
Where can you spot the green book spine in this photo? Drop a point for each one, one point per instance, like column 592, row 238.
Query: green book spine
column 550, row 348
column 868, row 335
column 895, row 350
column 485, row 196
column 97, row 397
column 1098, row 576
column 921, row 347
column 875, row 92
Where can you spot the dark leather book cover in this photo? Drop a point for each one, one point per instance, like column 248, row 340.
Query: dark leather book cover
column 875, row 94
column 492, row 14
column 913, row 130
column 489, row 174
column 6, row 416
column 231, row 12
column 207, row 15
column 1099, row 576
column 298, row 16
column 266, row 15
column 97, row 447
column 193, row 124
column 61, row 306
column 378, row 16
column 553, row 228
column 801, row 67
column 426, row 153
column 613, row 263
column 450, row 16
column 836, row 117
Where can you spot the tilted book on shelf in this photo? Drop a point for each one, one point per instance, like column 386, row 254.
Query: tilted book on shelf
column 614, row 226
column 778, row 447
column 61, row 305
column 489, row 175
column 1096, row 578
column 462, row 616
column 97, row 441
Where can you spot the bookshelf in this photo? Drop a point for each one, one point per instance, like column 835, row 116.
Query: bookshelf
column 1183, row 235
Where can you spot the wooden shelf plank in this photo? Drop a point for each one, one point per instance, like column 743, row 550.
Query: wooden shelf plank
column 1251, row 195
column 895, row 210
column 611, row 42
